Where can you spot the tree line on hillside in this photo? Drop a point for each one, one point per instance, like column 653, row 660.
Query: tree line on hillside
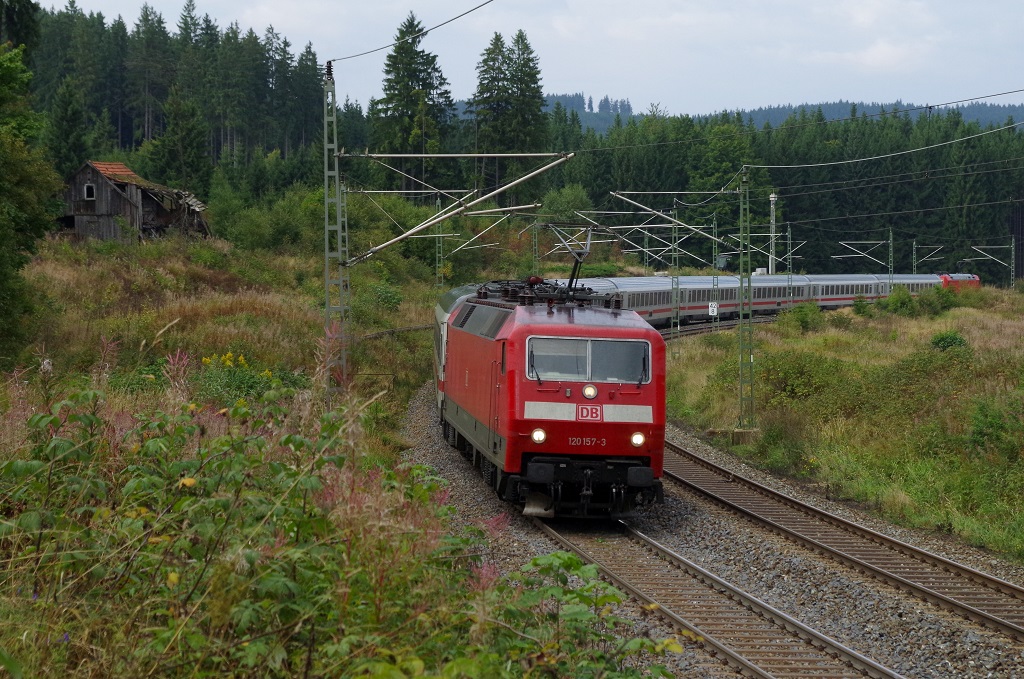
column 951, row 196
column 983, row 113
column 216, row 95
column 201, row 104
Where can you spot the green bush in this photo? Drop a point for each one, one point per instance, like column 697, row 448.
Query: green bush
column 914, row 385
column 722, row 341
column 144, row 378
column 947, row 340
column 900, row 302
column 170, row 549
column 805, row 317
column 227, row 380
column 997, row 429
column 934, row 301
column 791, row 378
column 862, row 307
column 603, row 270
column 376, row 303
column 785, row 437
column 204, row 254
column 839, row 321
column 385, row 296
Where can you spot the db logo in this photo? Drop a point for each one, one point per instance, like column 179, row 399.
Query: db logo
column 589, row 413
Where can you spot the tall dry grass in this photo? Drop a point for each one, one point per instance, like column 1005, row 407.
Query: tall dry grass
column 112, row 316
column 930, row 435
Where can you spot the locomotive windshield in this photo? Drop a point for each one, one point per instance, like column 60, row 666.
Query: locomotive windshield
column 583, row 360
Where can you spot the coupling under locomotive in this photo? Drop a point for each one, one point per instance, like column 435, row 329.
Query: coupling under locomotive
column 557, row 395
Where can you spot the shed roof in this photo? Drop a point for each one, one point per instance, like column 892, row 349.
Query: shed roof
column 122, row 174
column 119, row 172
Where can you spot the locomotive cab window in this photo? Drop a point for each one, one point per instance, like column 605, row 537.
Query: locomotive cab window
column 578, row 360
column 619, row 361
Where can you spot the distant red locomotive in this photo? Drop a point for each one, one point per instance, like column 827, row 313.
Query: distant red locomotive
column 959, row 281
column 557, row 396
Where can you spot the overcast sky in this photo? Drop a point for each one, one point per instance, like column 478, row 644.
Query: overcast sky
column 687, row 57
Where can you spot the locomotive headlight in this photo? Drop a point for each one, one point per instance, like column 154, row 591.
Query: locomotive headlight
column 590, row 391
column 637, row 439
column 539, row 436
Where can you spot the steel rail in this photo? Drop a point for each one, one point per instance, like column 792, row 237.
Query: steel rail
column 981, row 597
column 749, row 634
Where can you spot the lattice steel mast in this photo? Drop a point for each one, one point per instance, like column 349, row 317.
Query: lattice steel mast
column 337, row 301
column 746, row 326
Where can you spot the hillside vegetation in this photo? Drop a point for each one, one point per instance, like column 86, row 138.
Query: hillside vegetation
column 176, row 500
column 176, row 495
column 916, row 409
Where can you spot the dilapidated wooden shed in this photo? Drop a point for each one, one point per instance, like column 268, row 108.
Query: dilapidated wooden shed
column 110, row 202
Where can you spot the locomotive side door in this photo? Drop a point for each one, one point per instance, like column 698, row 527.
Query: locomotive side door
column 493, row 401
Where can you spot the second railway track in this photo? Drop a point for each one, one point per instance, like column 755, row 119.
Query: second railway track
column 978, row 596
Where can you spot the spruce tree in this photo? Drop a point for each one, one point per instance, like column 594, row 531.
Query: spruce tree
column 526, row 96
column 308, row 84
column 189, row 67
column 179, row 156
column 491, row 103
column 65, row 135
column 415, row 95
column 101, row 139
column 150, row 71
column 115, row 48
column 509, row 102
column 18, row 23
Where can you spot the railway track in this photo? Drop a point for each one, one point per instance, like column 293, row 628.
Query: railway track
column 748, row 634
column 707, row 327
column 987, row 600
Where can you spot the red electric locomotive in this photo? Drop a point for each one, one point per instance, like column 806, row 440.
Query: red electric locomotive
column 556, row 395
column 959, row 281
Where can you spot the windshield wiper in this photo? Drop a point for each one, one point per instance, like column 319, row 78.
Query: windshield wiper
column 533, row 369
column 643, row 370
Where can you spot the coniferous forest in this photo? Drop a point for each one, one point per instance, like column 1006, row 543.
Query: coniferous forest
column 235, row 117
column 179, row 494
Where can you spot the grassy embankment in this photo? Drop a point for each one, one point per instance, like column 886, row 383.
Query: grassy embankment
column 174, row 499
column 917, row 411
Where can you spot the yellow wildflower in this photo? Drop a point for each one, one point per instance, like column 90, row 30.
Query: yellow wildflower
column 186, row 482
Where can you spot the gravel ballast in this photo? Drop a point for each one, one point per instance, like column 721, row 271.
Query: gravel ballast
column 893, row 628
